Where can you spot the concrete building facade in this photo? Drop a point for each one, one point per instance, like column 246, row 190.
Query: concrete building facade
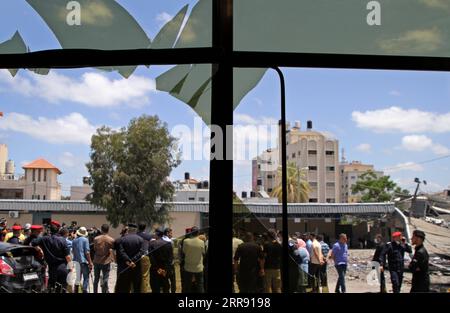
column 311, row 151
column 40, row 182
column 350, row 173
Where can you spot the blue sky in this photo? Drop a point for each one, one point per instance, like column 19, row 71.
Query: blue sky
column 392, row 119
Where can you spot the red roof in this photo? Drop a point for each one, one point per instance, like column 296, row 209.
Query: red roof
column 42, row 164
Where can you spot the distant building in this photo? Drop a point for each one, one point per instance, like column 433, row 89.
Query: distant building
column 40, row 181
column 350, row 173
column 81, row 192
column 311, row 151
column 191, row 190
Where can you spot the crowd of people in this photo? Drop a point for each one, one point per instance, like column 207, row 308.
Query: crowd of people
column 146, row 261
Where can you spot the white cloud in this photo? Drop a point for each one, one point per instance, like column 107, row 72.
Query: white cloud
column 163, row 18
column 416, row 142
column 395, row 93
column 364, row 147
column 71, row 129
column 91, row 89
column 250, row 120
column 396, row 119
column 421, row 143
column 407, row 166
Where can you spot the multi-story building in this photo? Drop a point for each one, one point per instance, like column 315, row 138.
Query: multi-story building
column 312, row 152
column 40, row 181
column 81, row 192
column 350, row 173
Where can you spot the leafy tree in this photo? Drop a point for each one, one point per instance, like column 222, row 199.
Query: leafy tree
column 375, row 189
column 297, row 185
column 129, row 170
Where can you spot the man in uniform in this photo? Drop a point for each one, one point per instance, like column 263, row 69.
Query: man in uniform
column 168, row 234
column 419, row 264
column 395, row 252
column 130, row 250
column 16, row 235
column 161, row 257
column 35, row 232
column 56, row 255
column 379, row 247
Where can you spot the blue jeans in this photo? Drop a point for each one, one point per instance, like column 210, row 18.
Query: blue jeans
column 84, row 269
column 340, row 285
column 104, row 269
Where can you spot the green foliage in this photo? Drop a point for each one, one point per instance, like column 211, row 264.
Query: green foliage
column 297, row 185
column 376, row 189
column 129, row 170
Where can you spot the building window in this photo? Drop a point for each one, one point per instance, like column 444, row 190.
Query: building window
column 293, row 155
column 269, row 176
column 353, row 177
column 43, row 197
column 38, row 197
column 313, row 184
column 201, row 199
column 299, row 153
column 312, row 168
column 331, row 200
column 45, row 175
column 312, row 152
column 330, row 168
column 191, row 199
column 269, row 190
column 313, row 200
column 39, row 175
column 259, row 166
column 329, row 152
column 330, row 184
column 34, row 175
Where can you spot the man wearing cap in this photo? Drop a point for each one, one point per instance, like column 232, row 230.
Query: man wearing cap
column 35, row 231
column 419, row 264
column 161, row 257
column 81, row 254
column 10, row 234
column 16, row 232
column 394, row 251
column 56, row 255
column 130, row 250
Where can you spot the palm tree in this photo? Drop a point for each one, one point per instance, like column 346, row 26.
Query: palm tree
column 297, row 185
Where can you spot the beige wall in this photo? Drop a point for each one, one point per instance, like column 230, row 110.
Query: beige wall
column 22, row 220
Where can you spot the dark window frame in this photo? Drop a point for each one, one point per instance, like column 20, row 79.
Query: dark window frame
column 223, row 58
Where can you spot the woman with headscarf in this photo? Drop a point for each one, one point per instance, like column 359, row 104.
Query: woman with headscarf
column 303, row 257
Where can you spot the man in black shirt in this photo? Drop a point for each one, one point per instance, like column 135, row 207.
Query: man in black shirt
column 272, row 264
column 419, row 264
column 161, row 257
column 57, row 256
column 250, row 258
column 395, row 253
column 376, row 258
column 130, row 250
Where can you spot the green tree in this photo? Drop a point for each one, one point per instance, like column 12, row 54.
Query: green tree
column 129, row 170
column 375, row 189
column 297, row 186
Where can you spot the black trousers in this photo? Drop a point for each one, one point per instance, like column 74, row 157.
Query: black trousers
column 396, row 280
column 314, row 271
column 158, row 282
column 129, row 279
column 323, row 275
column 57, row 277
column 171, row 276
